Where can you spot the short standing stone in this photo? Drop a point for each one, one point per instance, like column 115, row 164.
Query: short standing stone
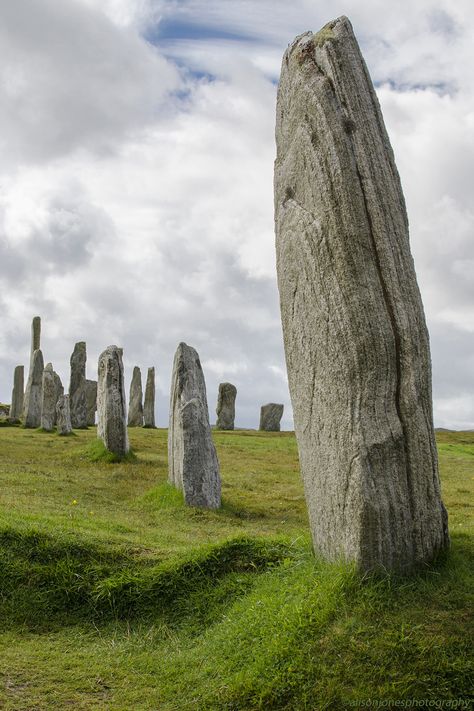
column 111, row 405
column 270, row 416
column 77, row 386
column 16, row 409
column 226, row 406
column 59, row 390
column 91, row 399
column 149, row 405
column 355, row 336
column 192, row 458
column 63, row 415
column 33, row 395
column 135, row 407
column 49, row 399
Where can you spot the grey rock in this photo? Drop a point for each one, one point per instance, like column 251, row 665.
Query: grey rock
column 35, row 335
column 149, row 405
column 33, row 393
column 135, row 407
column 270, row 416
column 225, row 409
column 50, row 397
column 35, row 346
column 77, row 386
column 192, row 459
column 355, row 336
column 16, row 408
column 91, row 401
column 63, row 415
column 111, row 404
column 59, row 390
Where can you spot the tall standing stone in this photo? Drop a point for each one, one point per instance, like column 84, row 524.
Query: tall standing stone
column 33, row 394
column 149, row 405
column 270, row 416
column 91, row 400
column 16, row 408
column 63, row 415
column 135, row 408
column 49, row 398
column 225, row 409
column 59, row 390
column 111, row 405
column 35, row 346
column 192, row 459
column 77, row 386
column 354, row 330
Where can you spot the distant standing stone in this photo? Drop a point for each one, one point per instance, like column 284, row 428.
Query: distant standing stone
column 33, row 395
column 192, row 458
column 63, row 415
column 226, row 406
column 59, row 390
column 111, row 405
column 91, row 400
column 355, row 337
column 77, row 386
column 149, row 406
column 270, row 416
column 135, row 408
column 35, row 346
column 16, row 408
column 49, row 399
column 35, row 335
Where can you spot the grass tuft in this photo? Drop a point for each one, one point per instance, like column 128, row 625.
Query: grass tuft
column 96, row 451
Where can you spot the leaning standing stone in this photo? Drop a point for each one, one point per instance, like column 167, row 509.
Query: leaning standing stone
column 111, row 405
column 149, row 405
column 270, row 416
column 63, row 415
column 77, row 386
column 33, row 395
column 192, row 459
column 226, row 406
column 49, row 399
column 91, row 400
column 135, row 408
column 16, row 409
column 355, row 336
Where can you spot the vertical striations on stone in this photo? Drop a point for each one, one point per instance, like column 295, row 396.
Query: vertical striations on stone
column 16, row 408
column 135, row 407
column 59, row 390
column 356, row 341
column 111, row 405
column 192, row 459
column 63, row 415
column 49, row 398
column 149, row 405
column 35, row 335
column 225, row 409
column 77, row 386
column 91, row 401
column 33, row 393
column 270, row 417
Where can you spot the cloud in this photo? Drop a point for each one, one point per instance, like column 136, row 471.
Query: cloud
column 136, row 200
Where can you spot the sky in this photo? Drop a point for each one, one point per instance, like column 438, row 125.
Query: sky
column 136, row 168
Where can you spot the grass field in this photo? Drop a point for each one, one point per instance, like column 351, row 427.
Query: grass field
column 113, row 595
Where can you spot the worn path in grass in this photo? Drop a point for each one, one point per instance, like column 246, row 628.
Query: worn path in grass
column 113, row 595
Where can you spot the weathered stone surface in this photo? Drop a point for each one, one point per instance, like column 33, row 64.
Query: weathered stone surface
column 354, row 330
column 111, row 404
column 270, row 416
column 35, row 346
column 16, row 408
column 35, row 335
column 91, row 400
column 77, row 386
column 225, row 409
column 58, row 386
column 49, row 398
column 192, row 459
column 135, row 407
column 63, row 415
column 33, row 394
column 149, row 405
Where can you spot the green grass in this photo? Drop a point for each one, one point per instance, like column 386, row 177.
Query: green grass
column 114, row 595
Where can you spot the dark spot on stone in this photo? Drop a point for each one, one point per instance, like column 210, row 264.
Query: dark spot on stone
column 349, row 125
